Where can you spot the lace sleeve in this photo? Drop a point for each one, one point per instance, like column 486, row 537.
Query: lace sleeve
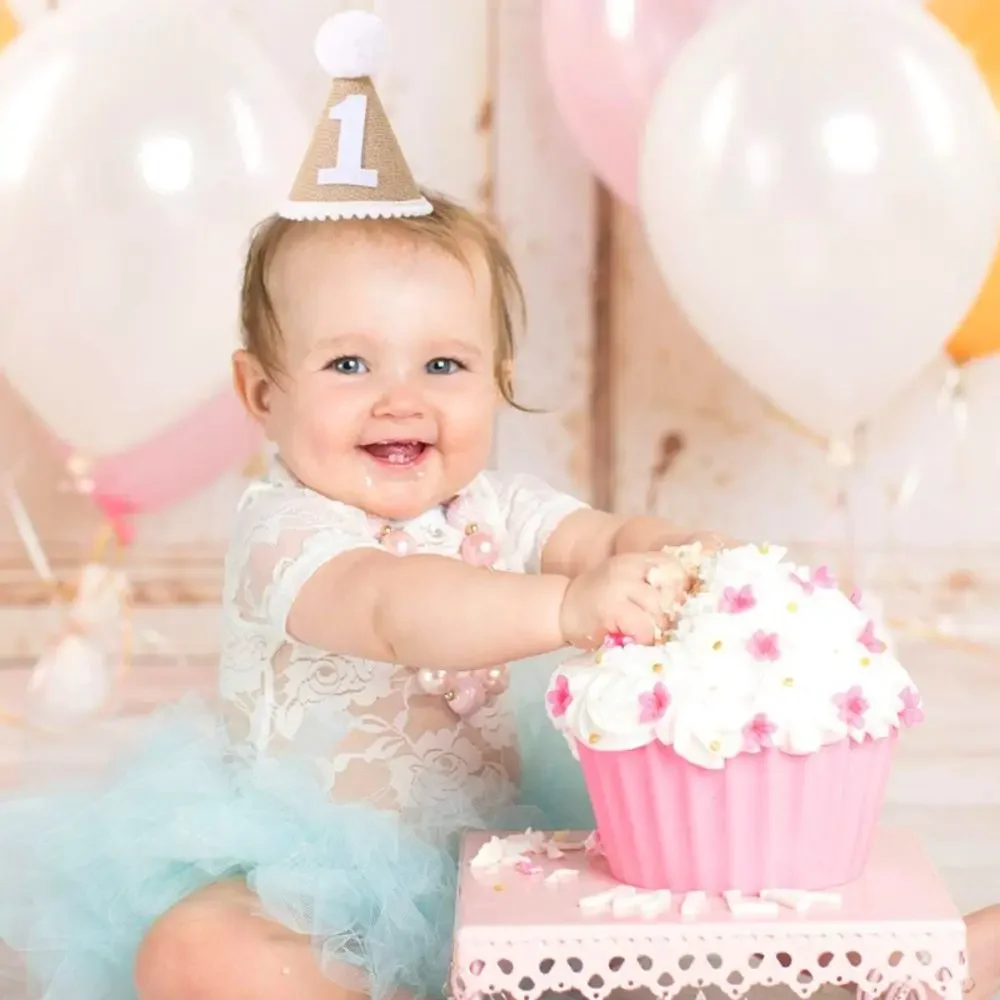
column 283, row 536
column 531, row 510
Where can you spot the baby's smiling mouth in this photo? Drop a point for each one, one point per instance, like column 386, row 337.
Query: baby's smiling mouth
column 399, row 453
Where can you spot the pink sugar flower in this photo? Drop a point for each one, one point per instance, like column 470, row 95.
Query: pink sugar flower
column 735, row 601
column 757, row 733
column 764, row 646
column 868, row 640
column 911, row 714
column 821, row 577
column 615, row 639
column 654, row 704
column 559, row 698
column 853, row 705
column 526, row 867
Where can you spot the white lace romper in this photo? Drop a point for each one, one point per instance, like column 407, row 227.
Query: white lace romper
column 376, row 737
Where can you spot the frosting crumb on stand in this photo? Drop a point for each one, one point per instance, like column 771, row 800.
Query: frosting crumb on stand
column 525, row 854
column 763, row 654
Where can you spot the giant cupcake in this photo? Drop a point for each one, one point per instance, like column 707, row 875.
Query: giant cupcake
column 750, row 749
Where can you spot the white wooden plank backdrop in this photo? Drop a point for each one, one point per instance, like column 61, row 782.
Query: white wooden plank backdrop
column 639, row 411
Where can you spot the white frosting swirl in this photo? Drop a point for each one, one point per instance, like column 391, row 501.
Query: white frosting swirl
column 764, row 654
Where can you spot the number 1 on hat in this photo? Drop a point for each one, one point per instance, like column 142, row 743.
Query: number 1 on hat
column 351, row 112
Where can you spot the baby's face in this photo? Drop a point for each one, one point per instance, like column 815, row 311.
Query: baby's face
column 389, row 395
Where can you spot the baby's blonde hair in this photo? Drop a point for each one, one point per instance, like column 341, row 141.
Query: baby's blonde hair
column 450, row 227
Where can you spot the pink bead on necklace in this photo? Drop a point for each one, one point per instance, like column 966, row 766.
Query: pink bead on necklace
column 479, row 547
column 465, row 691
column 399, row 543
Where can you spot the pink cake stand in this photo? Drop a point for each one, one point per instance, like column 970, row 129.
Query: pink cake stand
column 894, row 932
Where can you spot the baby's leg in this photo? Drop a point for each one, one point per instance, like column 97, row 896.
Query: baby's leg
column 215, row 945
column 983, row 929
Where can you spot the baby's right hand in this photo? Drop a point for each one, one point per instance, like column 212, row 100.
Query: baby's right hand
column 616, row 597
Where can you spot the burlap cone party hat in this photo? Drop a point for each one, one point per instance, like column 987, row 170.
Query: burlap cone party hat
column 354, row 168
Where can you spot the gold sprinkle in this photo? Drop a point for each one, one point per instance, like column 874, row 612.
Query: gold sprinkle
column 789, row 682
column 717, row 645
column 593, row 738
column 598, row 656
column 793, row 607
column 657, row 668
column 764, row 549
column 499, row 888
column 715, row 746
column 472, row 528
column 865, row 661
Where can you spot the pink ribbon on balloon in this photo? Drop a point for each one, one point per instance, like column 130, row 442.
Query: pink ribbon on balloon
column 180, row 460
column 605, row 60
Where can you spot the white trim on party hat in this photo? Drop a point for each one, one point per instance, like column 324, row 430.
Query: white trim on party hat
column 300, row 211
column 354, row 168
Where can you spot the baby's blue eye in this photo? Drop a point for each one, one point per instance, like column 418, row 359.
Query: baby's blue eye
column 444, row 366
column 348, row 365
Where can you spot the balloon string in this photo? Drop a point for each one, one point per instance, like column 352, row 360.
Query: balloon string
column 951, row 401
column 26, row 532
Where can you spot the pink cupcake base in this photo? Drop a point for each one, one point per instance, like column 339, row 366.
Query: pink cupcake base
column 768, row 820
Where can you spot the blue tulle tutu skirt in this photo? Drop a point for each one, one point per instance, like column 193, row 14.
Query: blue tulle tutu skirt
column 86, row 870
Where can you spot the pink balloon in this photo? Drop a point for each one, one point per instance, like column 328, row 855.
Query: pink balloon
column 174, row 464
column 605, row 59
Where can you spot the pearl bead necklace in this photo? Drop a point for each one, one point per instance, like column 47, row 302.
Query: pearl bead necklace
column 464, row 691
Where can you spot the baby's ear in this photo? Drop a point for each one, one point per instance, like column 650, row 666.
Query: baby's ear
column 252, row 384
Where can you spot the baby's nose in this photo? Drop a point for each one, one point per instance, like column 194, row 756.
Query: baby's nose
column 401, row 399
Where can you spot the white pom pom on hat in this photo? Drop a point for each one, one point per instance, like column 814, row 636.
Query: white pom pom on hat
column 354, row 168
column 351, row 45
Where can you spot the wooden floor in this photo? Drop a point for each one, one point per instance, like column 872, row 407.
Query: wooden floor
column 945, row 785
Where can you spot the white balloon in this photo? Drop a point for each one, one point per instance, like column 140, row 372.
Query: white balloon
column 139, row 143
column 821, row 188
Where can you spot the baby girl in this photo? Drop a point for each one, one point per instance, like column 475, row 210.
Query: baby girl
column 378, row 582
column 380, row 578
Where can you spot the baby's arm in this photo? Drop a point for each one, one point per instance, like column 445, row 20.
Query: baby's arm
column 312, row 569
column 427, row 611
column 587, row 537
column 555, row 533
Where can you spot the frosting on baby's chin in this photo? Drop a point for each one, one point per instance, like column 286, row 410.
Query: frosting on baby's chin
column 764, row 654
